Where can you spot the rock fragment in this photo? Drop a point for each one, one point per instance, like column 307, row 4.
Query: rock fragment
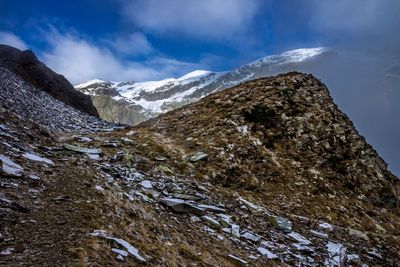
column 213, row 223
column 358, row 234
column 38, row 158
column 182, row 206
column 129, row 248
column 319, row 234
column 165, row 170
column 250, row 205
column 337, row 254
column 198, row 156
column 212, row 208
column 235, row 230
column 237, row 260
column 146, row 184
column 10, row 167
column 251, row 236
column 280, row 223
column 267, row 253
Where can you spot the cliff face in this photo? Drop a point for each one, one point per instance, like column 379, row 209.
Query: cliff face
column 34, row 72
column 118, row 111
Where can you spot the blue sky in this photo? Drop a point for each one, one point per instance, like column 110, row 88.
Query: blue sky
column 155, row 39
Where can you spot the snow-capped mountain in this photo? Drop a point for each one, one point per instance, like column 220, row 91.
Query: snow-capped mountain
column 152, row 96
column 133, row 102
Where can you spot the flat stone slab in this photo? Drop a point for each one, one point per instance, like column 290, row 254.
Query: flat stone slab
column 281, row 223
column 127, row 246
column 181, row 206
column 38, row 158
column 212, row 208
column 82, row 149
column 10, row 167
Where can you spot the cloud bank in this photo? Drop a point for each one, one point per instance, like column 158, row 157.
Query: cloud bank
column 11, row 39
column 80, row 60
column 215, row 19
column 133, row 45
column 365, row 78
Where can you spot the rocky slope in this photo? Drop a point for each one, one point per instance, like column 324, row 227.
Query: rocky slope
column 149, row 99
column 26, row 65
column 267, row 173
column 33, row 104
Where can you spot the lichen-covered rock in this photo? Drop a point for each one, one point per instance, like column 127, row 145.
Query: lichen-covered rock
column 281, row 223
column 165, row 169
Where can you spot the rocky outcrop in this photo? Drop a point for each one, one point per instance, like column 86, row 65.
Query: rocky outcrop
column 118, row 111
column 34, row 72
column 283, row 130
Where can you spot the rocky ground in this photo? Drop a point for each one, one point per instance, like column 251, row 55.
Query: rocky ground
column 267, row 173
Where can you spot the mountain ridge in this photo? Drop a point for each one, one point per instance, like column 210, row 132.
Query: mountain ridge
column 155, row 97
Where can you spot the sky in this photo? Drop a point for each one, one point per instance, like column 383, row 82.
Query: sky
column 152, row 39
column 140, row 40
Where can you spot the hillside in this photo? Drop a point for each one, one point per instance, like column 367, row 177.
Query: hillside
column 269, row 172
column 26, row 65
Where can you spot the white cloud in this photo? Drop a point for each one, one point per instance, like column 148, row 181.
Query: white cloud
column 216, row 19
column 79, row 60
column 370, row 22
column 11, row 39
column 133, row 45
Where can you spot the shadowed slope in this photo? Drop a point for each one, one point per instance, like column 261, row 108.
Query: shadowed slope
column 34, row 72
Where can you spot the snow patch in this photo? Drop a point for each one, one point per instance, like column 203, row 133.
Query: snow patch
column 291, row 56
column 195, row 74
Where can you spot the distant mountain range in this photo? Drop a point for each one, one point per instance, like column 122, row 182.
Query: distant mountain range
column 133, row 102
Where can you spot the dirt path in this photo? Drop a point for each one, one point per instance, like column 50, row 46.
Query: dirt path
column 60, row 217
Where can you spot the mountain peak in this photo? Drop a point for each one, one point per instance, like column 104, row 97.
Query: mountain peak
column 195, row 74
column 89, row 83
column 291, row 56
column 304, row 53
